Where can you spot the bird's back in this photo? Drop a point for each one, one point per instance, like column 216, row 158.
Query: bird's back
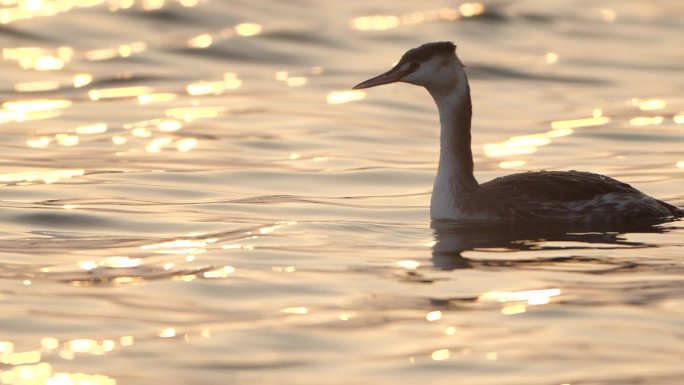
column 564, row 195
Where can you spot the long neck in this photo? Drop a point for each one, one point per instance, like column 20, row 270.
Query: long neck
column 455, row 157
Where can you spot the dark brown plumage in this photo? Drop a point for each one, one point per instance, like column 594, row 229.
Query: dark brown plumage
column 426, row 51
column 568, row 195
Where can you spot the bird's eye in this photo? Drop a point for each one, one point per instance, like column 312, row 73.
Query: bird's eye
column 414, row 66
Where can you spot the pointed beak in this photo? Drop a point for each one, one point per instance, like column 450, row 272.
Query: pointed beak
column 391, row 76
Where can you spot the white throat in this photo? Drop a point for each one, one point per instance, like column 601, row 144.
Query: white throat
column 455, row 181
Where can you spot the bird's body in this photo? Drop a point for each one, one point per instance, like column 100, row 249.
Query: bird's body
column 558, row 196
column 536, row 196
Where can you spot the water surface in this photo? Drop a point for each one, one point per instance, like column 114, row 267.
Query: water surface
column 192, row 194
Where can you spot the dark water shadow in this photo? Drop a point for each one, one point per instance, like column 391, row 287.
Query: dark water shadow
column 168, row 16
column 454, row 238
column 494, row 72
column 228, row 52
column 13, row 33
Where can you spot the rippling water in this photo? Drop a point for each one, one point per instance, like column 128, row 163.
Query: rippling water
column 191, row 194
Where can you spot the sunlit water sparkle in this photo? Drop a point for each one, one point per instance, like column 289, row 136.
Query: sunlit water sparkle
column 192, row 194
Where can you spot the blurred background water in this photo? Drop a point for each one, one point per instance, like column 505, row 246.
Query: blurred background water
column 192, row 194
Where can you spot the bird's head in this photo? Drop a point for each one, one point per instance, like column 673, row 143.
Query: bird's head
column 432, row 65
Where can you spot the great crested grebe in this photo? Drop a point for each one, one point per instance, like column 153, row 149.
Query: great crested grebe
column 542, row 195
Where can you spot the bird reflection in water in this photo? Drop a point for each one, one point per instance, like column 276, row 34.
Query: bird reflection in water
column 454, row 238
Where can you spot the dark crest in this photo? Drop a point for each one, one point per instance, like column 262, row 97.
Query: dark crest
column 426, row 51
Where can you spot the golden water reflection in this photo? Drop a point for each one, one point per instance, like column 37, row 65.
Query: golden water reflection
column 516, row 302
column 678, row 118
column 296, row 81
column 646, row 120
column 112, row 262
column 157, row 144
column 40, row 142
column 340, row 97
column 97, row 128
column 47, row 85
column 187, row 144
column 471, row 9
column 156, row 98
column 124, row 50
column 82, row 80
column 115, row 5
column 248, row 29
column 142, row 129
column 39, row 59
column 608, row 15
column 409, row 264
column 230, row 82
column 35, row 105
column 528, row 144
column 551, row 57
column 200, row 41
column 523, row 144
column 512, row 163
column 440, row 355
column 189, row 114
column 301, row 310
column 385, row 22
column 169, row 125
column 46, row 176
column 219, row 273
column 152, row 5
column 597, row 119
column 67, row 140
column 28, row 9
column 141, row 132
column 649, row 104
column 532, row 297
column 24, row 116
column 167, row 333
column 20, row 358
column 433, row 315
column 376, row 23
column 180, row 246
column 118, row 92
column 346, row 316
column 206, row 40
column 43, row 374
column 26, row 368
